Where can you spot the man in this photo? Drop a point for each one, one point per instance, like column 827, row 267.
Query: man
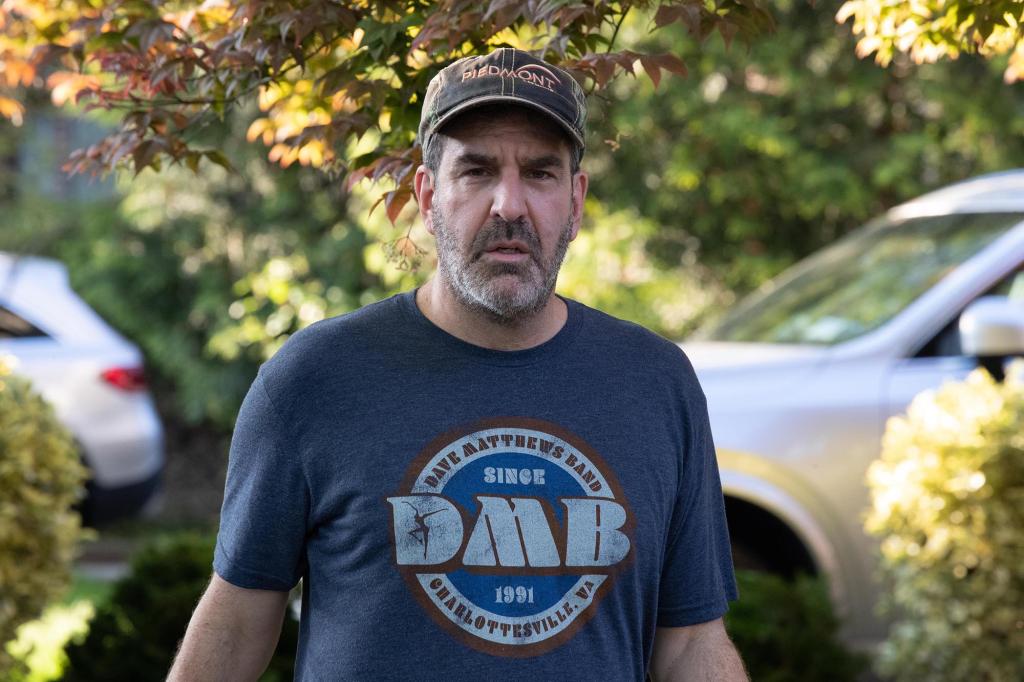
column 478, row 479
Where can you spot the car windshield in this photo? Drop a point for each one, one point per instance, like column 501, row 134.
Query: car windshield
column 860, row 282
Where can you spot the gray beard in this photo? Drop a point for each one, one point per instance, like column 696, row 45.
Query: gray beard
column 472, row 281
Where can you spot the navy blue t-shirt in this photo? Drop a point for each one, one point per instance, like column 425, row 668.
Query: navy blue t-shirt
column 459, row 513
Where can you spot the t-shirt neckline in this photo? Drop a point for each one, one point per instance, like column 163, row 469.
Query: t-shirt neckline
column 562, row 339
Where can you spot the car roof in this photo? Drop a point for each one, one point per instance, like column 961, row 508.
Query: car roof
column 993, row 193
column 42, row 270
column 38, row 289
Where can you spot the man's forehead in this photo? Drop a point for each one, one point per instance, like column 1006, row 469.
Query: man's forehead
column 521, row 135
column 526, row 155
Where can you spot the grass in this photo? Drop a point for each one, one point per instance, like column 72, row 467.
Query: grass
column 86, row 588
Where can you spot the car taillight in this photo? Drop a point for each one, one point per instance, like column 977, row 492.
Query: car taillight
column 125, row 378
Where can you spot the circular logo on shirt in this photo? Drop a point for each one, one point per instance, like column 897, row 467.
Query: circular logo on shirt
column 510, row 533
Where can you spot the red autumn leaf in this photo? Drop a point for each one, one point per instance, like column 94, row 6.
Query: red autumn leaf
column 671, row 63
column 652, row 68
column 394, row 201
column 666, row 14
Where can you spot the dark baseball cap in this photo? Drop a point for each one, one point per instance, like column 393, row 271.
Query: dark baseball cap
column 505, row 75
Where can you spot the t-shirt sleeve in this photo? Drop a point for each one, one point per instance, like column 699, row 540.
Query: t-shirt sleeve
column 261, row 541
column 697, row 580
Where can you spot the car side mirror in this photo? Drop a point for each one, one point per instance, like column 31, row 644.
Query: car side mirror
column 991, row 329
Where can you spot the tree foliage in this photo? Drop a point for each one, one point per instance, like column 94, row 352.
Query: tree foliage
column 934, row 29
column 757, row 158
column 762, row 156
column 210, row 272
column 325, row 73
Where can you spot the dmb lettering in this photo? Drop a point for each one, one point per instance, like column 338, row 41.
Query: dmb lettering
column 514, row 532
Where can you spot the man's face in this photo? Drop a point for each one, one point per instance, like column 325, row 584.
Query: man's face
column 503, row 207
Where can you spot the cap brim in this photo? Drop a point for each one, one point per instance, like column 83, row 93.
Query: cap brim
column 488, row 99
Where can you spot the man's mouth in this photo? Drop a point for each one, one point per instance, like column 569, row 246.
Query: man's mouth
column 508, row 248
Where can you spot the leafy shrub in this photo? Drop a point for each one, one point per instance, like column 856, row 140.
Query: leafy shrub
column 40, row 642
column 135, row 635
column 786, row 631
column 948, row 501
column 40, row 480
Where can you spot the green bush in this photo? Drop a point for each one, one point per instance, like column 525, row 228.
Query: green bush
column 135, row 634
column 948, row 503
column 41, row 478
column 786, row 631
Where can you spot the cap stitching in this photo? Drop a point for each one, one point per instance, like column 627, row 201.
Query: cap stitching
column 504, row 53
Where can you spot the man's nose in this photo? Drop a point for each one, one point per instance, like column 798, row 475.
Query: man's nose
column 509, row 198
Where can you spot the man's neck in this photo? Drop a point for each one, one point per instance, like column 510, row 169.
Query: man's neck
column 439, row 305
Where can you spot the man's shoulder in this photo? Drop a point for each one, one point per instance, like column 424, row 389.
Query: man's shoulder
column 343, row 338
column 638, row 351
column 623, row 335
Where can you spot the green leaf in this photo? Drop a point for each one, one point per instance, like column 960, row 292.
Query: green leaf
column 216, row 156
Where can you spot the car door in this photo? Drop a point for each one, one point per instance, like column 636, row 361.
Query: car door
column 940, row 359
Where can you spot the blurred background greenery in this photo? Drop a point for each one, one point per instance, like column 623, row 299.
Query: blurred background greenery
column 702, row 189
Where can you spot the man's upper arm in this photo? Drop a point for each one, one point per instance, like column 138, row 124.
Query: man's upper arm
column 232, row 634
column 696, row 652
column 697, row 580
column 263, row 521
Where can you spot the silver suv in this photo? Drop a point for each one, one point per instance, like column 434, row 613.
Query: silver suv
column 92, row 377
column 801, row 376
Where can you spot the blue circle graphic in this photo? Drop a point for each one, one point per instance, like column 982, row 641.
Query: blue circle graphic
column 510, row 594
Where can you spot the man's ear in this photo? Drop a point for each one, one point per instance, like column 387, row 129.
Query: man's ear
column 580, row 181
column 424, row 188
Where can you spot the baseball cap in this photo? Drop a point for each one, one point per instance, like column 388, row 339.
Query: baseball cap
column 505, row 75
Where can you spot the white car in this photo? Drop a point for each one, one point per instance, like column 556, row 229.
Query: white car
column 802, row 375
column 92, row 377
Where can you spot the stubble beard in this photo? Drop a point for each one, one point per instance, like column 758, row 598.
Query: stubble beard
column 479, row 287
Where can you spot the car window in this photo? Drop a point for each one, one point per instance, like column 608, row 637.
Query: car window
column 860, row 282
column 14, row 326
column 947, row 342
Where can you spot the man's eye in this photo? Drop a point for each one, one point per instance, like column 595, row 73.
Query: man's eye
column 538, row 174
column 475, row 172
